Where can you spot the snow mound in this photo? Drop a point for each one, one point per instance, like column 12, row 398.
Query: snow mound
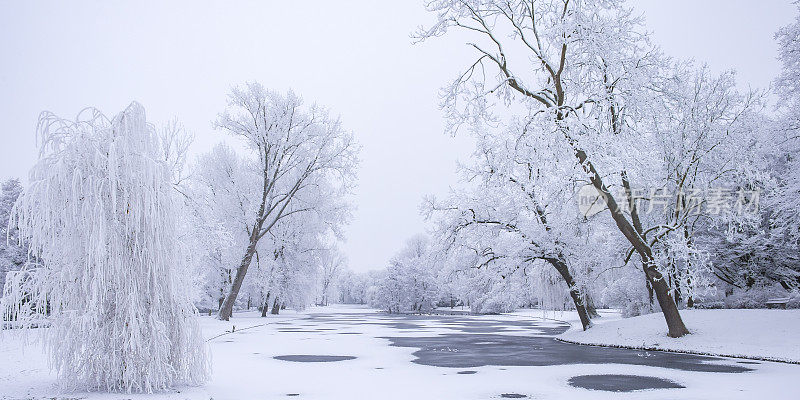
column 757, row 334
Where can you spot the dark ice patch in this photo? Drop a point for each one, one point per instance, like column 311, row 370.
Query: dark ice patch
column 621, row 383
column 470, row 351
column 312, row 358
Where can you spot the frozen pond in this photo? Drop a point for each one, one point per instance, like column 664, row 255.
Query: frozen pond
column 353, row 352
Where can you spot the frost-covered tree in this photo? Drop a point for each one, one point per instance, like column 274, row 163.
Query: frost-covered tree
column 289, row 264
column 12, row 254
column 554, row 62
column 99, row 214
column 333, row 265
column 759, row 248
column 354, row 287
column 410, row 283
column 516, row 213
column 785, row 199
column 220, row 194
column 294, row 148
column 688, row 168
column 349, row 287
column 754, row 246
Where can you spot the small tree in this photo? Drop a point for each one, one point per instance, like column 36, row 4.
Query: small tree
column 333, row 264
column 99, row 215
column 410, row 281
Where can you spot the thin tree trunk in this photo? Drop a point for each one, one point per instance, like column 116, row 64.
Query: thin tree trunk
column 276, row 307
column 265, row 306
column 590, row 308
column 562, row 269
column 673, row 283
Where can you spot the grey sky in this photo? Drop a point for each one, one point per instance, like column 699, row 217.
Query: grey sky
column 179, row 59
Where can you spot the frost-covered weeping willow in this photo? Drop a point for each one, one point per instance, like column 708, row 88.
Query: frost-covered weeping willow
column 99, row 215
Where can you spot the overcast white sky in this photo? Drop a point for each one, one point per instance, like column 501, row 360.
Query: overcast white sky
column 180, row 58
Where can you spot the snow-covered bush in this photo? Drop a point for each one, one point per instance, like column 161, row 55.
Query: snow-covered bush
column 494, row 303
column 710, row 305
column 100, row 215
column 757, row 297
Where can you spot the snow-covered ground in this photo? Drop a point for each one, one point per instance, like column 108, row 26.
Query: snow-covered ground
column 762, row 334
column 244, row 367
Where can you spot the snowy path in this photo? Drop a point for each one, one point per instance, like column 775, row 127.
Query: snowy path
column 353, row 353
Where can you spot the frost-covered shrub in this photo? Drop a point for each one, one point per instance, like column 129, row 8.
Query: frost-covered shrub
column 757, row 297
column 495, row 302
column 100, row 215
column 710, row 305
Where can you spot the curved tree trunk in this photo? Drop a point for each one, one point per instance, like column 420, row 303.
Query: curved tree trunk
column 658, row 282
column 562, row 269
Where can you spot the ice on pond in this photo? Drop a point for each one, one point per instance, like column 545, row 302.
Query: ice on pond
column 312, row 358
column 621, row 383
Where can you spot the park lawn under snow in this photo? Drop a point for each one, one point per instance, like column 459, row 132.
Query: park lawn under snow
column 761, row 334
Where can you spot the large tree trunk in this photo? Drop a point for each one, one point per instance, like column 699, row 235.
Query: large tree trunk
column 562, row 269
column 226, row 310
column 669, row 308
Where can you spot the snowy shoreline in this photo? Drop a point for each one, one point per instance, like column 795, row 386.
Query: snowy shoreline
column 665, row 350
column 764, row 335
